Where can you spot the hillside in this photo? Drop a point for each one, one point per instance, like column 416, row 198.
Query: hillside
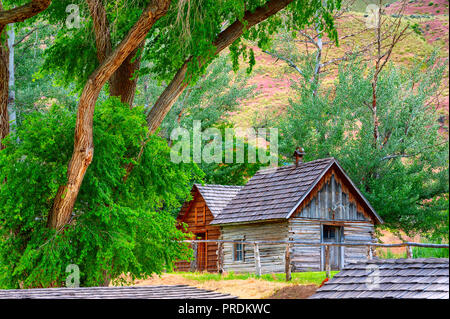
column 273, row 77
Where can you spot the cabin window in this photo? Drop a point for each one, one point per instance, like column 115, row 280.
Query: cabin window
column 238, row 252
column 329, row 232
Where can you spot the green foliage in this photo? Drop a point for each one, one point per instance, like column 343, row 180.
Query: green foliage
column 417, row 252
column 34, row 89
column 73, row 56
column 403, row 174
column 187, row 30
column 299, row 278
column 215, row 95
column 425, row 252
column 116, row 227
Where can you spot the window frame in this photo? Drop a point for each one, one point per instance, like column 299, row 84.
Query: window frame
column 238, row 252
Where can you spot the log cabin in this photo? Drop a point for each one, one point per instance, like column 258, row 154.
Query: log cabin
column 309, row 201
column 207, row 202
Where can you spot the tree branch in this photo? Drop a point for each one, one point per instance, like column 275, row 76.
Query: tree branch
column 29, row 33
column 223, row 40
column 287, row 60
column 24, row 12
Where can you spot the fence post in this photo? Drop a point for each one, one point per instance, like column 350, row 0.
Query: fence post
column 257, row 260
column 327, row 261
column 288, row 263
column 220, row 258
column 193, row 265
column 370, row 253
column 409, row 252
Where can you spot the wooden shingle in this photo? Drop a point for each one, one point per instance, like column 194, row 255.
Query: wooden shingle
column 139, row 292
column 274, row 193
column 217, row 196
column 425, row 278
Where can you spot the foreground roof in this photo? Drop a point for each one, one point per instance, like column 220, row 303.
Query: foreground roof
column 425, row 278
column 140, row 292
column 275, row 193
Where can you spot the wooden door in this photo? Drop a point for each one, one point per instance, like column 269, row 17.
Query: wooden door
column 202, row 253
column 332, row 234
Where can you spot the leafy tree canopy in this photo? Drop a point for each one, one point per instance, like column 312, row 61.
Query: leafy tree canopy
column 116, row 227
column 187, row 31
column 404, row 175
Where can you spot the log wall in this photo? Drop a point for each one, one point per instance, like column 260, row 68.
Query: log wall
column 197, row 217
column 357, row 232
column 330, row 203
column 305, row 258
column 271, row 256
column 312, row 258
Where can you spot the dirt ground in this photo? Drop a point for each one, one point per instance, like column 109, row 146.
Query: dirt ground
column 248, row 289
column 294, row 292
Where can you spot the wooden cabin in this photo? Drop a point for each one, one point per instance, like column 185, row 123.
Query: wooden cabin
column 207, row 202
column 313, row 201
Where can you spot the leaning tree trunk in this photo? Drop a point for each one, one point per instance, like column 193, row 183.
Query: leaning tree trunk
column 83, row 153
column 223, row 40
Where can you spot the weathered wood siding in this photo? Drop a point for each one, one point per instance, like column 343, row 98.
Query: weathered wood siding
column 197, row 217
column 312, row 258
column 330, row 203
column 305, row 258
column 272, row 256
column 357, row 232
column 332, row 200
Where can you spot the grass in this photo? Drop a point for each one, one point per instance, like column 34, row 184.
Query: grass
column 418, row 252
column 300, row 278
column 423, row 252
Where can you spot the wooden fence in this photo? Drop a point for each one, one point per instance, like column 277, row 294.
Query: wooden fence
column 256, row 245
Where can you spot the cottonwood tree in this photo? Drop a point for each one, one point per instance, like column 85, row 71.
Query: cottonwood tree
column 356, row 38
column 183, row 42
column 380, row 121
column 83, row 141
column 116, row 228
column 11, row 16
column 391, row 149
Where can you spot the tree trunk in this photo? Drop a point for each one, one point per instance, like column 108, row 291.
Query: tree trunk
column 11, row 80
column 123, row 82
column 4, row 79
column 18, row 14
column 24, row 12
column 166, row 100
column 66, row 196
column 223, row 40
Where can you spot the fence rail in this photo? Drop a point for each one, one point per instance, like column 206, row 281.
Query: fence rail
column 256, row 244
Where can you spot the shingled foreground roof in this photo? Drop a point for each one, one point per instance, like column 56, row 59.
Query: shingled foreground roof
column 275, row 193
column 425, row 278
column 140, row 292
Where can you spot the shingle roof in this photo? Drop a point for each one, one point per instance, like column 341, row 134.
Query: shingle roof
column 274, row 193
column 425, row 278
column 217, row 196
column 140, row 292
